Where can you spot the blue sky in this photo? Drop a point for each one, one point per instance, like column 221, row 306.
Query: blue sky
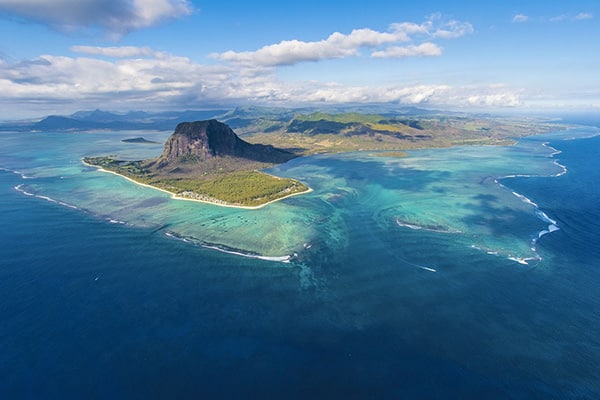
column 59, row 56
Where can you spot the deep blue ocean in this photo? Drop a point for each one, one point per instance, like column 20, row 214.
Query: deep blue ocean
column 390, row 297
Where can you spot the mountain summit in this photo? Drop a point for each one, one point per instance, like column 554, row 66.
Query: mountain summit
column 211, row 140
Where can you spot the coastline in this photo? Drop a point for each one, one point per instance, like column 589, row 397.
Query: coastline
column 176, row 197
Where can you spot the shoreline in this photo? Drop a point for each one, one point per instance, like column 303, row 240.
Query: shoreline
column 176, row 197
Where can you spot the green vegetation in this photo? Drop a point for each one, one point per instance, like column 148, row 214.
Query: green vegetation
column 238, row 188
column 352, row 117
column 245, row 188
column 331, row 133
column 110, row 163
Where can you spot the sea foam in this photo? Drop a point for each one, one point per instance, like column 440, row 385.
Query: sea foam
column 20, row 188
column 437, row 229
column 228, row 250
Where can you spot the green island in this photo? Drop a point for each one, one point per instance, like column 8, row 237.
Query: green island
column 207, row 161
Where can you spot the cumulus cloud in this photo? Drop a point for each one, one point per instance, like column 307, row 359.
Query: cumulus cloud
column 127, row 77
column 418, row 95
column 437, row 28
column 115, row 16
column 520, row 18
column 424, row 49
column 91, row 78
column 288, row 52
column 339, row 45
column 106, row 76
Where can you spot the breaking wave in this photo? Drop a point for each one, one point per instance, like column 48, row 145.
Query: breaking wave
column 227, row 249
column 20, row 188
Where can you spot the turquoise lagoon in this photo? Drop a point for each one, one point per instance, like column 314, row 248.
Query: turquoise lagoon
column 456, row 191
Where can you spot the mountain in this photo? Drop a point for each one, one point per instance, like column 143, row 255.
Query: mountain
column 132, row 120
column 101, row 116
column 247, row 119
column 212, row 140
column 57, row 122
column 207, row 161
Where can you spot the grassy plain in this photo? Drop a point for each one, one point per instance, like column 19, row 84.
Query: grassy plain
column 330, row 133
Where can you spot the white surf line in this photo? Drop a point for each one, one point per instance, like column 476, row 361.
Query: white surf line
column 525, row 199
column 19, row 188
column 554, row 153
column 552, row 224
column 12, row 171
column 416, row 265
column 524, row 261
column 283, row 259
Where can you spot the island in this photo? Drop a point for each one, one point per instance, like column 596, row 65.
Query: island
column 139, row 140
column 207, row 161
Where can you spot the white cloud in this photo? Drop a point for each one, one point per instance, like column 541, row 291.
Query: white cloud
column 288, row 52
column 568, row 17
column 433, row 27
column 115, row 16
column 447, row 30
column 116, row 51
column 66, row 78
column 559, row 18
column 338, row 94
column 419, row 95
column 127, row 77
column 167, row 81
column 424, row 49
column 583, row 16
column 520, row 18
column 339, row 45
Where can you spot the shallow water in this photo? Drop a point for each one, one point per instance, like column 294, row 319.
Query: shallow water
column 455, row 273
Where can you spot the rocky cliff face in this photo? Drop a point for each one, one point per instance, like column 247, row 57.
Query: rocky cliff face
column 211, row 139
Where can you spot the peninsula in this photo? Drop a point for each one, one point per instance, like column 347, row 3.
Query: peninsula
column 206, row 161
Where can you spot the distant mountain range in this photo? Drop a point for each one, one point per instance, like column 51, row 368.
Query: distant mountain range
column 142, row 120
column 248, row 119
column 133, row 120
column 98, row 119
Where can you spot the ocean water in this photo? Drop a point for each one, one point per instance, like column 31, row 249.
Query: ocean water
column 469, row 272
